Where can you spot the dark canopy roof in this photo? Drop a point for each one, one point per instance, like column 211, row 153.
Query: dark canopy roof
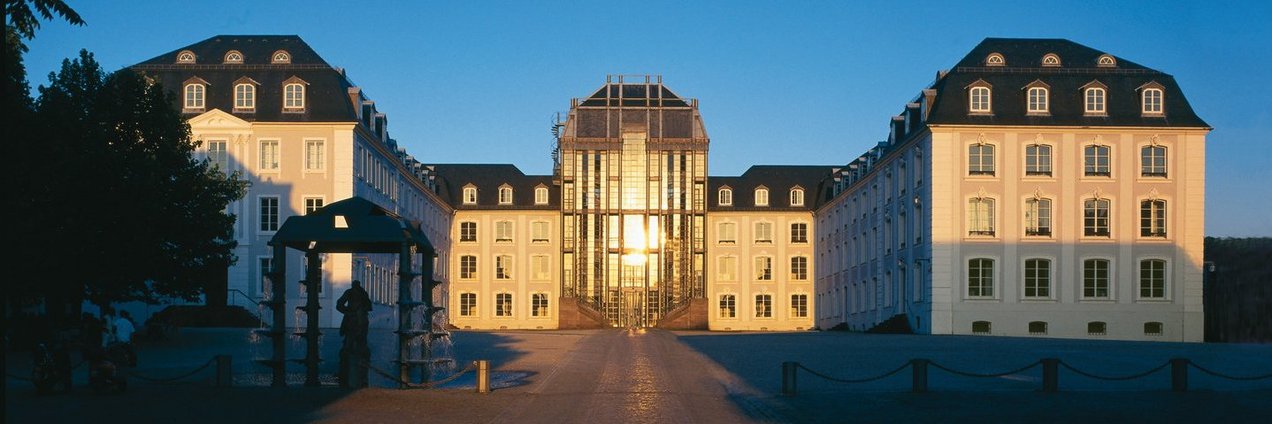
column 370, row 229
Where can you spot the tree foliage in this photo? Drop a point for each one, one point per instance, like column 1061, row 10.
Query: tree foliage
column 118, row 206
column 24, row 20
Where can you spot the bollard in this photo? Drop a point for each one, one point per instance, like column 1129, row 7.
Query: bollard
column 789, row 370
column 1050, row 375
column 1179, row 374
column 224, row 371
column 483, row 376
column 919, row 367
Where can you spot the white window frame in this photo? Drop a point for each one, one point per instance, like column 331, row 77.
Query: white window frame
column 1153, row 101
column 1038, row 217
column 1038, row 100
column 540, row 195
column 186, row 56
column 731, row 299
column 1091, row 156
column 725, row 197
column 468, row 310
column 980, row 100
column 280, row 57
column 977, row 163
column 727, row 232
column 984, row 285
column 763, row 232
column 761, row 197
column 1165, row 280
column 981, row 216
column 798, row 274
column 763, row 268
column 1040, row 154
column 195, row 96
column 1095, row 101
column 470, row 195
column 218, row 157
column 1150, row 155
column 468, row 271
column 1156, row 219
column 537, row 310
column 463, row 237
column 1110, row 288
column 540, row 232
column 244, row 97
column 269, row 155
column 802, row 232
column 320, row 152
column 293, row 97
column 505, row 195
column 799, row 309
column 727, row 268
column 504, row 305
column 540, row 267
column 1049, row 277
column 797, row 197
column 764, row 309
column 310, row 201
column 503, row 267
column 1093, row 222
column 261, row 220
column 504, row 231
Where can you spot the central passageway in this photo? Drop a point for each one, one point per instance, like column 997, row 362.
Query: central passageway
column 632, row 376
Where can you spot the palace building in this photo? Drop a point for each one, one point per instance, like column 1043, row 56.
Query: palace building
column 1038, row 188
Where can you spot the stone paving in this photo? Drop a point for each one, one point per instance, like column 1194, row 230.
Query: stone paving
column 658, row 376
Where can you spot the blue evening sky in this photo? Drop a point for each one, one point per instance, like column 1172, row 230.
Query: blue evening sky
column 779, row 82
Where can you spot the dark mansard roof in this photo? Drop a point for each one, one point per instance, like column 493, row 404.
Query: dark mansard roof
column 488, row 178
column 778, row 179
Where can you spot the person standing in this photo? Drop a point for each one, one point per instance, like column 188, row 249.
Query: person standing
column 355, row 304
column 124, row 330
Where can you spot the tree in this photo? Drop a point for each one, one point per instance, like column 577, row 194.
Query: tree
column 129, row 213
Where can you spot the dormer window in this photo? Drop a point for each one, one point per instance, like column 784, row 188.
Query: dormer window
column 995, row 59
column 1038, row 99
column 505, row 195
column 1051, row 60
column 797, row 197
column 245, row 95
column 1095, row 99
column 1151, row 101
column 194, row 95
column 761, row 197
column 1106, row 61
column 470, row 195
column 185, row 56
column 294, row 95
column 726, row 197
column 280, row 57
column 540, row 195
column 978, row 98
column 233, row 56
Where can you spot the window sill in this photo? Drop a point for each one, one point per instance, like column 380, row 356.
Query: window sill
column 1160, row 301
column 1095, row 114
column 1039, row 300
column 244, row 111
column 1097, row 300
column 192, row 110
column 297, row 111
column 1039, row 175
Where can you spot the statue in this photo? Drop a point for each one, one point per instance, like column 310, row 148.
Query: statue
column 355, row 304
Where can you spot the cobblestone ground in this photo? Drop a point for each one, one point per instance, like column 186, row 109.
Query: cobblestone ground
column 625, row 376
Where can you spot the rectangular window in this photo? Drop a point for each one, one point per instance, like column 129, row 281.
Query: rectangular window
column 269, row 155
column 728, row 232
column 979, row 100
column 468, row 231
column 1095, row 279
column 1095, row 101
column 980, row 216
column 1152, row 101
column 294, row 96
column 980, row 277
column 467, row 304
column 470, row 195
column 265, row 266
column 980, row 159
column 1095, row 217
column 541, row 196
column 799, row 232
column 1038, row 217
column 1153, row 218
column 764, row 268
column 1037, row 100
column 468, row 267
column 1038, row 160
column 503, row 267
column 312, row 204
column 540, row 267
column 505, row 196
column 244, row 97
column 763, row 232
column 218, row 155
column 539, row 231
column 761, row 197
column 799, row 268
column 503, row 305
column 1153, row 161
column 799, row 306
column 728, row 306
column 269, row 213
column 728, row 268
column 1153, row 279
column 763, row 306
column 503, row 231
column 539, row 305
column 1096, row 161
column 314, row 155
column 1037, row 278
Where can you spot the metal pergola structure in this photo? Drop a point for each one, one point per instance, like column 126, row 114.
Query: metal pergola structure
column 353, row 225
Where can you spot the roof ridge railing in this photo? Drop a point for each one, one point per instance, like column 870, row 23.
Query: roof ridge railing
column 233, row 66
column 1020, row 70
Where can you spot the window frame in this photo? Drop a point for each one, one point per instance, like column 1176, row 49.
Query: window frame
column 467, row 232
column 1163, row 280
column 762, row 267
column 1038, row 101
column 726, row 232
column 469, row 195
column 764, row 306
column 799, row 268
column 274, row 156
column 977, row 166
column 245, row 97
column 309, row 203
column 1092, row 283
column 1091, row 160
column 727, row 302
column 294, row 97
column 540, row 267
column 1153, row 105
column 541, row 195
column 505, row 231
column 761, row 196
column 799, row 305
column 724, row 197
column 469, row 308
column 1095, row 101
column 538, row 310
column 980, row 286
column 727, row 268
column 505, row 195
column 1038, row 217
column 762, row 232
column 980, row 100
column 799, row 232
column 1092, row 217
column 320, row 152
column 468, row 269
column 797, row 197
column 1042, row 280
column 504, row 305
column 1150, row 155
column 978, row 224
column 1153, row 212
column 270, row 226
column 540, row 232
column 1037, row 153
column 503, row 267
column 195, row 97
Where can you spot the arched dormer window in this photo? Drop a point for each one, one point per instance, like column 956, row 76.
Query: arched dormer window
column 797, row 196
column 194, row 95
column 245, row 95
column 505, row 195
column 294, row 95
column 233, row 56
column 470, row 195
column 1095, row 99
column 978, row 97
column 726, row 196
column 995, row 59
column 1051, row 60
column 280, row 57
column 761, row 196
column 186, row 56
column 1106, row 61
column 1037, row 99
column 540, row 195
column 1152, row 99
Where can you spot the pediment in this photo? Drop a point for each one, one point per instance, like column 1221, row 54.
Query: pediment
column 217, row 119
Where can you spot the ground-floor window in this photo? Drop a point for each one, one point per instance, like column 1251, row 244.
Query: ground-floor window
column 763, row 306
column 539, row 305
column 467, row 304
column 503, row 305
column 728, row 306
column 799, row 305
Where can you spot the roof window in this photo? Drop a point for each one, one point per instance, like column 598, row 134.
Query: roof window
column 1106, row 61
column 280, row 56
column 233, row 56
column 185, row 56
column 1051, row 60
column 995, row 59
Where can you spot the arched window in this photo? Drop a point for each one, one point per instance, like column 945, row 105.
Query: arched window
column 195, row 95
column 980, row 159
column 505, row 195
column 1095, row 217
column 995, row 59
column 980, row 277
column 1095, row 101
column 233, row 56
column 1095, row 279
column 541, row 195
column 1153, row 161
column 1152, row 280
column 294, row 96
column 1095, row 160
column 186, row 56
column 761, row 197
column 1151, row 99
column 726, row 197
column 1153, row 218
column 979, row 100
column 280, row 56
column 1051, row 60
column 797, row 197
column 470, row 195
column 1038, row 160
column 1038, row 102
column 244, row 96
column 1106, row 61
column 1038, row 278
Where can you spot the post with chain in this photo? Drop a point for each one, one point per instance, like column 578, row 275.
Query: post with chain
column 789, row 386
column 224, row 371
column 483, row 376
column 1179, row 374
column 920, row 369
column 1050, row 375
